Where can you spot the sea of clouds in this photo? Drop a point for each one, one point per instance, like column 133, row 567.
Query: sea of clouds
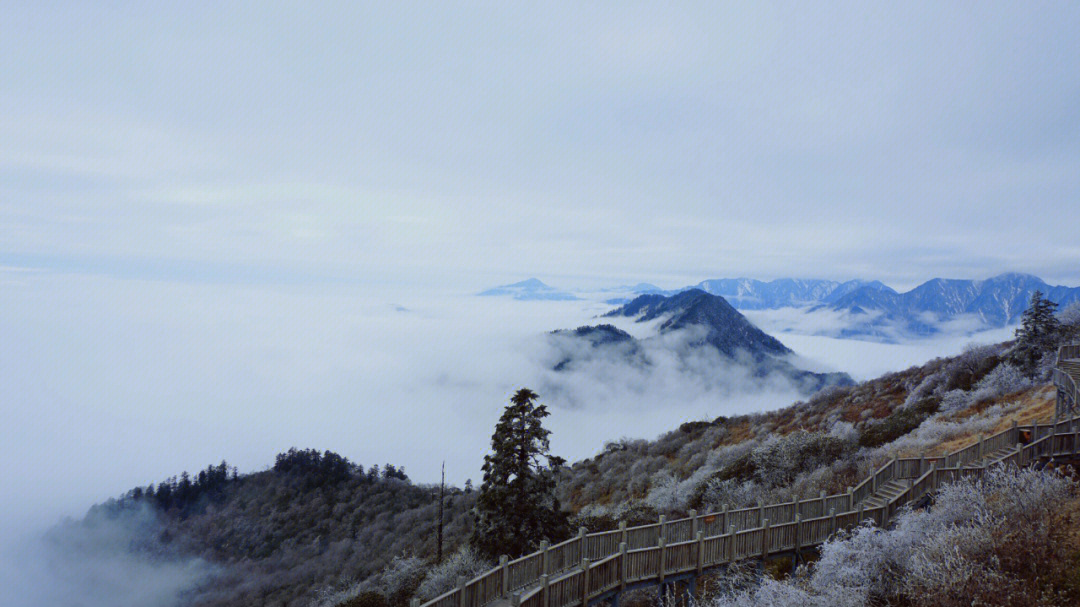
column 112, row 383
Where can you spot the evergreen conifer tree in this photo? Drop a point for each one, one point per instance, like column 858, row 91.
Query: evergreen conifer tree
column 517, row 508
column 1037, row 334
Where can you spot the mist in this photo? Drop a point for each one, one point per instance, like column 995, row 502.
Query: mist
column 106, row 560
column 113, row 383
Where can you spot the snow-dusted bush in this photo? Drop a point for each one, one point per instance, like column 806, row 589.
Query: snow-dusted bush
column 401, row 575
column 771, row 593
column 1003, row 540
column 396, row 581
column 1004, row 379
column 730, row 492
column 778, row 459
column 844, row 431
column 664, row 494
column 956, row 400
column 441, row 578
column 1070, row 315
column 929, row 386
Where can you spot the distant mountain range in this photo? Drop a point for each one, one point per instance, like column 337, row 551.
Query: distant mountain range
column 708, row 323
column 750, row 294
column 531, row 289
column 996, row 302
column 871, row 306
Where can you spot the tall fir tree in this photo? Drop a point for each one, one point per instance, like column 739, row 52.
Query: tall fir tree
column 1037, row 334
column 517, row 508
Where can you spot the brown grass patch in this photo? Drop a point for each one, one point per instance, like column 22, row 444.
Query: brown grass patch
column 1036, row 404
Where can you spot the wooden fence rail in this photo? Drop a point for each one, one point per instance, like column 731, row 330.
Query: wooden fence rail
column 589, row 565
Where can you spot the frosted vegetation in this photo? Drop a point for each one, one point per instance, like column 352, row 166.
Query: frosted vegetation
column 1008, row 539
column 826, row 444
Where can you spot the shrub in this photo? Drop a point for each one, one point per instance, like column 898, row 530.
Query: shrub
column 778, row 460
column 443, row 577
column 898, row 424
column 367, row 598
column 694, row 427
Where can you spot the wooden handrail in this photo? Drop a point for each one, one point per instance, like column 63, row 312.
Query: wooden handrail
column 554, row 576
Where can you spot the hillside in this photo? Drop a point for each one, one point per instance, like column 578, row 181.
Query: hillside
column 314, row 520
column 318, row 530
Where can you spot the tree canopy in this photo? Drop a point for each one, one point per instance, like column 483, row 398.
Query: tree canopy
column 516, row 508
column 1038, row 334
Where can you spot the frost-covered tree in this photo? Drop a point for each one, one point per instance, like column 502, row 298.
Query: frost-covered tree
column 517, row 508
column 1037, row 334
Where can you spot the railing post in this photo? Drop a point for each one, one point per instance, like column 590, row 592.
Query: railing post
column 515, row 599
column 663, row 524
column 414, row 602
column 798, row 532
column 581, row 542
column 693, row 523
column 545, row 561
column 503, row 560
column 585, row 583
column 622, row 532
column 663, row 560
column 545, row 594
column 700, row 551
column 623, row 566
column 982, row 438
column 723, row 518
column 765, row 539
column 731, row 543
column 873, row 482
column 862, row 513
column 850, row 500
column 761, row 511
column 796, row 504
column 461, row 580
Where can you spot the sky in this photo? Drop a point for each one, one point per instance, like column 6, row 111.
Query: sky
column 227, row 229
column 476, row 144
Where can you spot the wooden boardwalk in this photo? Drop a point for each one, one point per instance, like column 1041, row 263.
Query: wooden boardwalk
column 598, row 566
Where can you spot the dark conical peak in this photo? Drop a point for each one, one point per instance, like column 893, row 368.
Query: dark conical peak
column 654, row 305
column 725, row 328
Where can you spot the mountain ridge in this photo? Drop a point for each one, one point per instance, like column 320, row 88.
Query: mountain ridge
column 703, row 323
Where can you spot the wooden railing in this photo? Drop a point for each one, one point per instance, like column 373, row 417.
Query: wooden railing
column 591, row 565
column 1066, row 378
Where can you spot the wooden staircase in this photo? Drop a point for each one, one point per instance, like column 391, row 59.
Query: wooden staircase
column 885, row 494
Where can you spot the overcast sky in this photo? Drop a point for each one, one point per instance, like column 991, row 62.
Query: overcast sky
column 475, row 144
